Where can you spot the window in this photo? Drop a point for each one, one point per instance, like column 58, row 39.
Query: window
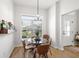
column 30, row 25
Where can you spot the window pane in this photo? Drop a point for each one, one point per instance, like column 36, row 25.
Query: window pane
column 67, row 28
column 30, row 25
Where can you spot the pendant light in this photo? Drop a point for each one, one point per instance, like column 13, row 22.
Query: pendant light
column 38, row 10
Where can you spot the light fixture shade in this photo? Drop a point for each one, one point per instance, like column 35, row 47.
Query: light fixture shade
column 37, row 15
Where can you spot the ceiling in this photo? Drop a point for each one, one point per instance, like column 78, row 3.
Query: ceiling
column 44, row 4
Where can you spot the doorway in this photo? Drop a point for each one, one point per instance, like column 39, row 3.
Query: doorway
column 69, row 28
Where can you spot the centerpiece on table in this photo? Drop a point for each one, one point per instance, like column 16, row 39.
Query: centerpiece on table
column 37, row 39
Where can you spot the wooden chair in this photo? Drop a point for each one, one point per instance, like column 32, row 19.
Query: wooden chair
column 46, row 36
column 76, row 39
column 42, row 50
column 27, row 47
column 23, row 42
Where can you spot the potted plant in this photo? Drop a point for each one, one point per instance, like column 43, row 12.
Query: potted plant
column 37, row 33
column 37, row 37
column 3, row 27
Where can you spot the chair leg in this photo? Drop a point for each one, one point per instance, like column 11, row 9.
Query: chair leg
column 50, row 52
column 34, row 54
column 39, row 56
column 46, row 56
column 24, row 52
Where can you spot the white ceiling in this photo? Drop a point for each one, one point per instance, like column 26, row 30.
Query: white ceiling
column 33, row 3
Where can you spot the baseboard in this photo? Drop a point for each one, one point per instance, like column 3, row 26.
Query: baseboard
column 68, row 45
column 60, row 48
column 55, row 47
column 11, row 51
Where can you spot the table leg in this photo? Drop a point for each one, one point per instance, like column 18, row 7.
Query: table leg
column 34, row 54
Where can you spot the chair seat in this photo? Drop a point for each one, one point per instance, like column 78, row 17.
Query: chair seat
column 29, row 47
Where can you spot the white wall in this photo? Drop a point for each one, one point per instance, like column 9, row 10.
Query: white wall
column 77, row 20
column 52, row 23
column 62, row 7
column 28, row 11
column 6, row 45
column 6, row 10
column 68, row 6
column 6, row 40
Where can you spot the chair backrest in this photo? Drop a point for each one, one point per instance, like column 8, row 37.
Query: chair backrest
column 23, row 42
column 77, row 36
column 46, row 36
column 42, row 49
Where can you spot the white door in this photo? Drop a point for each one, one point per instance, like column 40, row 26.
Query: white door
column 68, row 28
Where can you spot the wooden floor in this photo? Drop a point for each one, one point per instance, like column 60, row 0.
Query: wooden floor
column 18, row 53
